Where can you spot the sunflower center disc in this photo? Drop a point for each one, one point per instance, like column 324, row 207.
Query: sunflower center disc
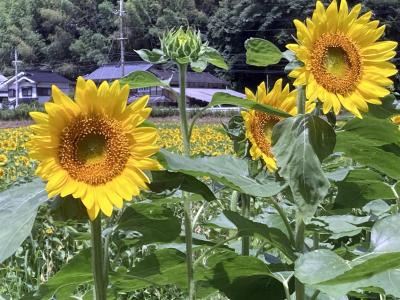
column 93, row 149
column 336, row 63
column 262, row 131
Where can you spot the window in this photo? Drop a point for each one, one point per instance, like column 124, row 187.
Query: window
column 26, row 92
column 11, row 93
column 43, row 91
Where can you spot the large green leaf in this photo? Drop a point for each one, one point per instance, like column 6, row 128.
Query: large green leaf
column 167, row 181
column 155, row 56
column 68, row 208
column 372, row 142
column 328, row 272
column 361, row 186
column 165, row 266
column 386, row 110
column 385, row 235
column 228, row 99
column 228, row 170
column 143, row 79
column 213, row 57
column 261, row 53
column 374, row 157
column 63, row 284
column 300, row 144
column 372, row 131
column 18, row 208
column 246, row 277
column 274, row 236
column 340, row 225
column 153, row 223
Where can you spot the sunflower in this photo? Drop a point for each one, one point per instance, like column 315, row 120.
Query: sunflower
column 259, row 125
column 344, row 64
column 3, row 160
column 93, row 148
column 396, row 119
column 2, row 172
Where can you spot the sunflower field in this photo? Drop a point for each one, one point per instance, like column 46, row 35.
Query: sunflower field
column 297, row 197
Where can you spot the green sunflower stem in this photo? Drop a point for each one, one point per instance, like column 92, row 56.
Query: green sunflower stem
column 100, row 288
column 300, row 226
column 182, row 108
column 246, row 214
column 300, row 289
column 187, row 202
column 301, row 100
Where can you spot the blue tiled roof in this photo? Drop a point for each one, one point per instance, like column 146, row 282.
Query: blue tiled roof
column 114, row 71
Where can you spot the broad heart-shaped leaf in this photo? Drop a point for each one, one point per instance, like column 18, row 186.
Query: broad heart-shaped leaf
column 198, row 66
column 165, row 180
column 373, row 131
column 299, row 144
column 163, row 267
column 230, row 171
column 213, row 57
column 385, row 235
column 261, row 53
column 153, row 223
column 340, row 225
column 386, row 110
column 275, row 236
column 62, row 285
column 154, row 56
column 68, row 208
column 18, row 208
column 328, row 272
column 227, row 99
column 361, row 186
column 372, row 142
column 246, row 277
column 378, row 268
column 375, row 157
column 143, row 79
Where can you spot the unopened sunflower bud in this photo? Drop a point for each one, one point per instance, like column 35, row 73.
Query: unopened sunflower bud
column 183, row 46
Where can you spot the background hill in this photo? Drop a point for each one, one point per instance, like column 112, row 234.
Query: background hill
column 73, row 37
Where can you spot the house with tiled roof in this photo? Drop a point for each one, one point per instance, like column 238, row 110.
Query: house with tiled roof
column 201, row 86
column 33, row 85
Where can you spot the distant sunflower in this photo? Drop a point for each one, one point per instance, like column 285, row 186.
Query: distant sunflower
column 259, row 125
column 344, row 65
column 3, row 160
column 92, row 148
column 396, row 119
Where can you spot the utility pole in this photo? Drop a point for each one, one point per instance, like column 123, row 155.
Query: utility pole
column 16, row 62
column 121, row 36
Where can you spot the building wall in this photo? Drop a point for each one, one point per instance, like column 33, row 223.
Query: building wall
column 65, row 87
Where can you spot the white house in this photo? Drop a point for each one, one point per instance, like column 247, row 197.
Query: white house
column 33, row 85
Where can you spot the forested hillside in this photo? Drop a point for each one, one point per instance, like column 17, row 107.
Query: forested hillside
column 73, row 37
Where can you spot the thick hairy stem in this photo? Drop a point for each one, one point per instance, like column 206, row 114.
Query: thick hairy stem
column 285, row 219
column 300, row 289
column 100, row 286
column 187, row 202
column 246, row 214
column 182, row 109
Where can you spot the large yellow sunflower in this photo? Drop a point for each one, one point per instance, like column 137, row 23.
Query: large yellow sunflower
column 259, row 125
column 344, row 65
column 92, row 148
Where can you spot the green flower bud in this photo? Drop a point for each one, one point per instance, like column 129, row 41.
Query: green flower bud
column 183, row 46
